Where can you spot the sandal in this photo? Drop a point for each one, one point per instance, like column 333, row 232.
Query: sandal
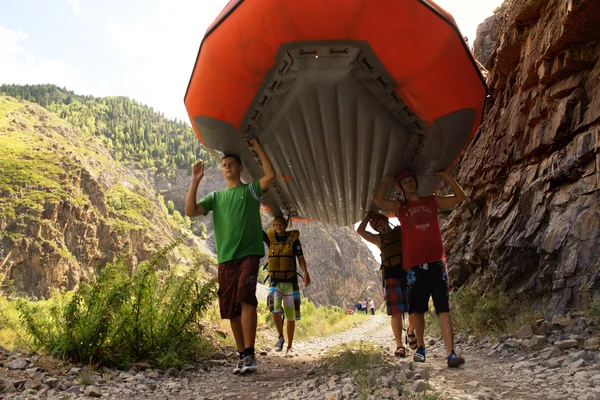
column 412, row 341
column 400, row 351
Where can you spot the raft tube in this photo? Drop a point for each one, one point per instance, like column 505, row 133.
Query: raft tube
column 339, row 93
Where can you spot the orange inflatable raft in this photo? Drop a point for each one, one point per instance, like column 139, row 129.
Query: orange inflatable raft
column 339, row 93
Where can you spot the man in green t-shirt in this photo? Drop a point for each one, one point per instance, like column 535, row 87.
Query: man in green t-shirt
column 238, row 237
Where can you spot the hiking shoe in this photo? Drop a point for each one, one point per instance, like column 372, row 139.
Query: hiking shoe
column 238, row 367
column 419, row 355
column 249, row 364
column 280, row 343
column 455, row 361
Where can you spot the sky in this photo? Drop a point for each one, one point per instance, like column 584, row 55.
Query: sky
column 142, row 49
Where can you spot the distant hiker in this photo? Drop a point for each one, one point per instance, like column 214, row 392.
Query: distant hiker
column 372, row 306
column 358, row 307
column 395, row 288
column 423, row 253
column 238, row 233
column 363, row 306
column 284, row 292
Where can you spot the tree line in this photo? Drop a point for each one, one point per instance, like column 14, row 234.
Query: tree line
column 134, row 132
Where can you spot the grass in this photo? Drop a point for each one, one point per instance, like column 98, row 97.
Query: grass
column 495, row 313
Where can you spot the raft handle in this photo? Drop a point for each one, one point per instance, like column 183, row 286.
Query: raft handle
column 303, row 52
column 382, row 82
column 367, row 64
column 284, row 67
column 274, row 85
column 264, row 101
column 396, row 97
column 334, row 51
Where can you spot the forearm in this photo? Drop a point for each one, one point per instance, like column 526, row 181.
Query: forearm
column 363, row 225
column 267, row 166
column 456, row 189
column 379, row 195
column 191, row 208
column 302, row 263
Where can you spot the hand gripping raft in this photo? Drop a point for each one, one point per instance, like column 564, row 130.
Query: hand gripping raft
column 339, row 92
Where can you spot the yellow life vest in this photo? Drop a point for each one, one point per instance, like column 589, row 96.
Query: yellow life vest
column 282, row 261
column 391, row 248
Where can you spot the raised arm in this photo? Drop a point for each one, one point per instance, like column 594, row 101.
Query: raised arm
column 192, row 208
column 455, row 198
column 379, row 200
column 268, row 170
column 362, row 231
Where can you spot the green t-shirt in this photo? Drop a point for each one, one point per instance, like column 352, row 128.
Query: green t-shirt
column 236, row 221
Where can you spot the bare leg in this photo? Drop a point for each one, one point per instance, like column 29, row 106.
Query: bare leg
column 397, row 328
column 447, row 332
column 238, row 333
column 291, row 327
column 419, row 324
column 248, row 321
column 278, row 322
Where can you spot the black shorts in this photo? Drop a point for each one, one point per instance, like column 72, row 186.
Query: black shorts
column 427, row 280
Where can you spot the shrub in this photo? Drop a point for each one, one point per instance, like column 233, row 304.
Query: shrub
column 117, row 319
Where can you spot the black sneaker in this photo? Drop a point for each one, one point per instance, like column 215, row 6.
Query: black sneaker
column 249, row 365
column 455, row 361
column 280, row 343
column 238, row 367
column 419, row 355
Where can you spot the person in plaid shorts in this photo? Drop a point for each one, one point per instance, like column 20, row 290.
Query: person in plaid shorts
column 395, row 287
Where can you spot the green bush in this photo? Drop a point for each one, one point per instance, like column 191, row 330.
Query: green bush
column 492, row 313
column 117, row 319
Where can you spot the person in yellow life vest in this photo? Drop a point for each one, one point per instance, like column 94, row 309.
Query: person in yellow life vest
column 389, row 241
column 284, row 292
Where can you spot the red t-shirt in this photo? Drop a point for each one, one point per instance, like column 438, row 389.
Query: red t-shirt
column 421, row 235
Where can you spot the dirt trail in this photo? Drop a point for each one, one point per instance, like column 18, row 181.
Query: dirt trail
column 509, row 370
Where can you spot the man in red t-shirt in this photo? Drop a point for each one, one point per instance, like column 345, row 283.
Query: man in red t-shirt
column 423, row 254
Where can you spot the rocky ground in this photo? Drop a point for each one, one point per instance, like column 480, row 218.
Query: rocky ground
column 548, row 360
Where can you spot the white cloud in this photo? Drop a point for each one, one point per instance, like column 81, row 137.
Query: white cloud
column 19, row 65
column 162, row 42
column 75, row 6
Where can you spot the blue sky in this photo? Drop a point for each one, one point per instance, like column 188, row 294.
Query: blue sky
column 144, row 50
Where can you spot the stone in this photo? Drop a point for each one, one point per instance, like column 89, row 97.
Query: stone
column 74, row 390
column 423, row 373
column 565, row 344
column 578, row 364
column 172, row 372
column 542, row 329
column 34, row 384
column 19, row 363
column 418, row 386
column 92, row 391
column 7, row 386
column 524, row 332
column 551, row 352
column 592, row 343
column 51, row 382
column 536, row 342
column 337, row 395
column 385, row 393
column 579, row 355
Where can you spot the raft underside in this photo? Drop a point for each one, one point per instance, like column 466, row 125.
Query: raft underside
column 330, row 120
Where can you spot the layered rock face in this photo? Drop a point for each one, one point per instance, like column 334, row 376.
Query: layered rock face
column 532, row 172
column 59, row 217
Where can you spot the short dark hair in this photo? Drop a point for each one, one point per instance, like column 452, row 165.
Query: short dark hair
column 235, row 156
column 282, row 219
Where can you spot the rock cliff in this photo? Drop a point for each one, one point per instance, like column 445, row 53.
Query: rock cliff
column 532, row 172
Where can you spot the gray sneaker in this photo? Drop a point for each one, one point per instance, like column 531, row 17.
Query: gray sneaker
column 238, row 367
column 249, row 364
column 280, row 343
